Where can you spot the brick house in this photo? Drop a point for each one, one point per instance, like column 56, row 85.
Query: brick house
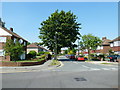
column 9, row 34
column 103, row 48
column 34, row 47
column 115, row 45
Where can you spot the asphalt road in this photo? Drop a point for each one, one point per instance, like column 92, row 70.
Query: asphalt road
column 72, row 74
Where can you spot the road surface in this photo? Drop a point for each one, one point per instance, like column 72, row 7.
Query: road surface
column 72, row 74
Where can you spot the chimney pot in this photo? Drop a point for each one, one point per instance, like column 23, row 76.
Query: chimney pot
column 103, row 38
column 11, row 29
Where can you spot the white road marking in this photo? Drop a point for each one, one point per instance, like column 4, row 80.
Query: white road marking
column 105, row 68
column 85, row 66
column 95, row 69
column 114, row 68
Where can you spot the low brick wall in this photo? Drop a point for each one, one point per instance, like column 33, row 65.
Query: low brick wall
column 21, row 63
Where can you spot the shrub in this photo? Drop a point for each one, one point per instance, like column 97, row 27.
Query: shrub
column 40, row 53
column 70, row 52
column 93, row 56
column 32, row 54
column 42, row 56
column 47, row 53
column 102, row 56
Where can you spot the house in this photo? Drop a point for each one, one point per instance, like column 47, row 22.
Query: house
column 34, row 47
column 115, row 45
column 10, row 34
column 103, row 48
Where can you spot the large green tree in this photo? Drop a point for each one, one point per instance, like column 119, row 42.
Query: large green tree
column 60, row 29
column 13, row 49
column 89, row 42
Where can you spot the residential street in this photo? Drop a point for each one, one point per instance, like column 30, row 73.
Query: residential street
column 72, row 74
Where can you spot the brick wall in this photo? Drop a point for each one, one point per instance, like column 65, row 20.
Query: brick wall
column 21, row 63
column 6, row 58
column 106, row 49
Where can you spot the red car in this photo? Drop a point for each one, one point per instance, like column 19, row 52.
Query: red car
column 80, row 58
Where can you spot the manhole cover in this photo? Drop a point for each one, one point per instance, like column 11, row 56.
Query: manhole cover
column 80, row 79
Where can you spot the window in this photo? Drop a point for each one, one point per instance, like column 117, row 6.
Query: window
column 98, row 48
column 117, row 43
column 21, row 41
column 2, row 39
column 111, row 45
column 101, row 47
column 1, row 53
column 25, row 43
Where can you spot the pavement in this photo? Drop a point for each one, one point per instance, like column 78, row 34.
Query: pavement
column 103, row 62
column 42, row 67
column 73, row 74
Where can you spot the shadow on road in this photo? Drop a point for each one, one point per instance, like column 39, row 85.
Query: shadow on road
column 66, row 60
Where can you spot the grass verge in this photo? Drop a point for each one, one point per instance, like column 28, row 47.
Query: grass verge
column 55, row 62
column 105, row 63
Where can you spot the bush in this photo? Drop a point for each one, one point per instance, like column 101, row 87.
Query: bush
column 32, row 54
column 102, row 56
column 47, row 53
column 42, row 56
column 93, row 56
column 40, row 53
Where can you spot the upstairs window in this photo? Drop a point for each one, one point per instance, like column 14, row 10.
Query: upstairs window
column 2, row 53
column 111, row 45
column 117, row 43
column 2, row 39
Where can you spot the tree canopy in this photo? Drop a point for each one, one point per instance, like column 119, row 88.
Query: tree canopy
column 89, row 42
column 14, row 49
column 61, row 29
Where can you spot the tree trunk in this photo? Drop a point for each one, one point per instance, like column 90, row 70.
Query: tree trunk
column 88, row 54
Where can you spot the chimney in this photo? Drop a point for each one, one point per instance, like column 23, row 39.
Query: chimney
column 11, row 29
column 103, row 38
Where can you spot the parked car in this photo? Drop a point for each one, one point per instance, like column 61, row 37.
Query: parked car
column 113, row 58
column 67, row 55
column 71, row 56
column 80, row 58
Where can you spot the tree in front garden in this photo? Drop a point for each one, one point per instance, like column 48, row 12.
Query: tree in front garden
column 59, row 30
column 13, row 49
column 90, row 42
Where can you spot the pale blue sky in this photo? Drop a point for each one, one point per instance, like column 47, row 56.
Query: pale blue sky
column 97, row 18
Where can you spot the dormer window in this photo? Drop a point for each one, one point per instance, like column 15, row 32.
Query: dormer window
column 21, row 41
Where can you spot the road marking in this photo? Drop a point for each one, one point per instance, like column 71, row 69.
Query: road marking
column 95, row 69
column 85, row 66
column 105, row 68
column 75, row 62
column 114, row 68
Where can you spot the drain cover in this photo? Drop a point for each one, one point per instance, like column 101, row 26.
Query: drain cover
column 80, row 79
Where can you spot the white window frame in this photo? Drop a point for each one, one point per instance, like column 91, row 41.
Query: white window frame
column 3, row 39
column 2, row 53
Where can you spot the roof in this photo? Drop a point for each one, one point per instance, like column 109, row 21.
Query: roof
column 13, row 33
column 35, row 46
column 32, row 45
column 106, row 42
column 116, row 39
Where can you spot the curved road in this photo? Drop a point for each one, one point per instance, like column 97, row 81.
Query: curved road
column 72, row 74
